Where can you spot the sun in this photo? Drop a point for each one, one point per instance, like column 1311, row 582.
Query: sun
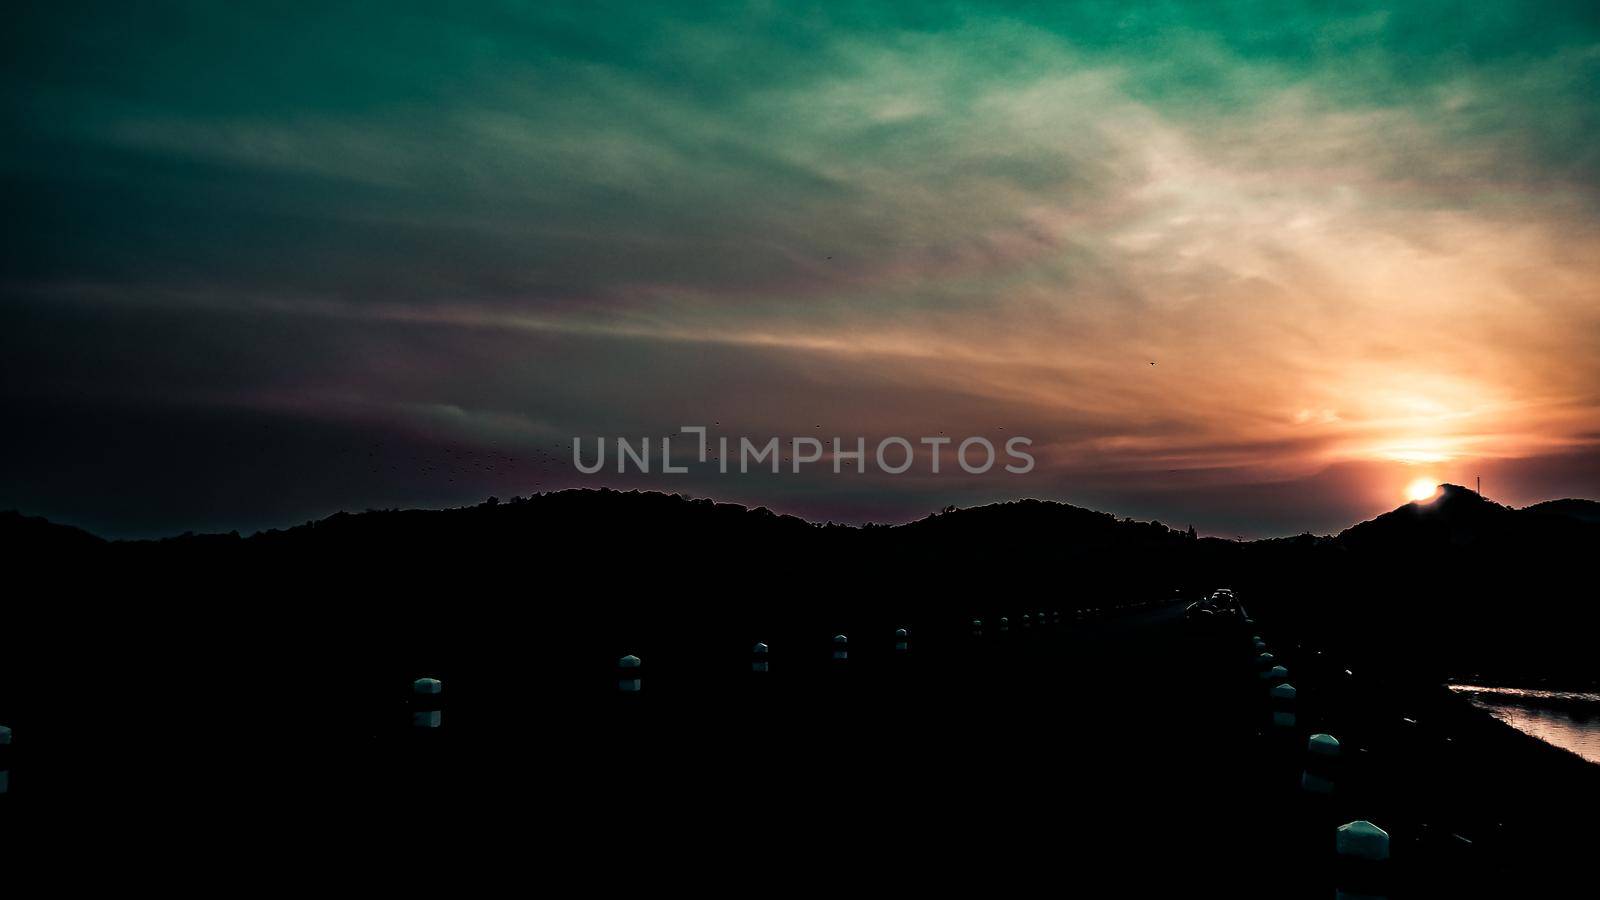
column 1421, row 489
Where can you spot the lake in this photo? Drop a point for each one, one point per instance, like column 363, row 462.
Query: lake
column 1568, row 719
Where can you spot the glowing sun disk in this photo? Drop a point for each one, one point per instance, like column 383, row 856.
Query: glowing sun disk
column 1421, row 489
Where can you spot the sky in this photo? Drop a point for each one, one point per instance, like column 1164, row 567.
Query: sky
column 1255, row 267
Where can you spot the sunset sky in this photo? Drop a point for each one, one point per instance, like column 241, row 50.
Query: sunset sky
column 262, row 266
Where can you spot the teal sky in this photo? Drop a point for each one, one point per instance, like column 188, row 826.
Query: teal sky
column 263, row 264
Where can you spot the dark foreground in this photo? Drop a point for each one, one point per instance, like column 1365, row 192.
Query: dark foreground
column 1123, row 752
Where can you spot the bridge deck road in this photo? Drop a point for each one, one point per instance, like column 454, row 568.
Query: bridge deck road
column 1115, row 756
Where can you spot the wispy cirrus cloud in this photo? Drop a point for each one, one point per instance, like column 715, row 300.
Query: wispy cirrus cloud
column 1342, row 240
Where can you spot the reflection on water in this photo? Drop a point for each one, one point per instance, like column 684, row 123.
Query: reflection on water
column 1568, row 719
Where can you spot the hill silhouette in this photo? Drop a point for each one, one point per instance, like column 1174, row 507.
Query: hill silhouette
column 1459, row 518
column 1582, row 510
column 1462, row 586
column 1456, row 517
column 32, row 533
column 1465, row 584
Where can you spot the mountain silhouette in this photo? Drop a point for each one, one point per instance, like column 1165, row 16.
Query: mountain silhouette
column 32, row 534
column 1470, row 585
column 1459, row 517
column 1456, row 517
column 1582, row 510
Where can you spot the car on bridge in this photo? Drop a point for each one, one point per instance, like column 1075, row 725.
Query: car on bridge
column 1221, row 606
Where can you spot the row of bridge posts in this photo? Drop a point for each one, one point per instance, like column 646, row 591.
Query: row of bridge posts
column 427, row 693
column 426, row 696
column 1361, row 849
column 629, row 667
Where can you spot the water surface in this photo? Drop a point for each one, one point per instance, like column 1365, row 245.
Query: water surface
column 1568, row 719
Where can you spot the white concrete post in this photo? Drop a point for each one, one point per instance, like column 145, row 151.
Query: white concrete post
column 426, row 694
column 758, row 657
column 1322, row 761
column 5, row 759
column 841, row 647
column 902, row 640
column 628, row 671
column 1282, row 699
column 1362, row 865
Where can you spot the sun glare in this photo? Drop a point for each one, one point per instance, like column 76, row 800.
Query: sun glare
column 1421, row 489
